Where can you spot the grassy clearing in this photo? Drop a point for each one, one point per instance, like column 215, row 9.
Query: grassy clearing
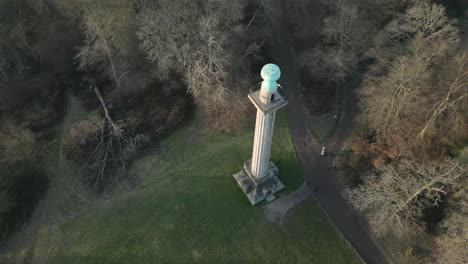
column 189, row 209
column 321, row 126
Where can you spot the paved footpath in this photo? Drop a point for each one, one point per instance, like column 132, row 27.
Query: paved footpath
column 276, row 211
column 322, row 181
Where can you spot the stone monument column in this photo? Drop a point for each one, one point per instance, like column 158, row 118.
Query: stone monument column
column 262, row 143
column 265, row 120
column 259, row 178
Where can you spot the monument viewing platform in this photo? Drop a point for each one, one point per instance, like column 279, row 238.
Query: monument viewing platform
column 278, row 102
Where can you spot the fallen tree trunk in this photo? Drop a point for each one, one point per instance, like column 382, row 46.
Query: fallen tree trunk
column 114, row 150
column 116, row 129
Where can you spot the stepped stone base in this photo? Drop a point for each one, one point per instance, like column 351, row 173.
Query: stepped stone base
column 255, row 189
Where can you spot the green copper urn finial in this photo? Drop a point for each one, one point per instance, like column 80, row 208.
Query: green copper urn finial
column 270, row 74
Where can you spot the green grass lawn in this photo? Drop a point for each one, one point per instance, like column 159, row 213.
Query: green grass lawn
column 189, row 209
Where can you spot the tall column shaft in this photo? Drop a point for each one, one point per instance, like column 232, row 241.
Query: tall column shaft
column 262, row 143
column 259, row 179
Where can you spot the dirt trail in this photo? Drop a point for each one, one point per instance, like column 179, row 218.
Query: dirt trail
column 28, row 244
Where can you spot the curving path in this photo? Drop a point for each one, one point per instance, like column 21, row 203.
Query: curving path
column 323, row 182
column 276, row 211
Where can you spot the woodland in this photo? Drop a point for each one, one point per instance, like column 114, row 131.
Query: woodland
column 140, row 69
column 407, row 174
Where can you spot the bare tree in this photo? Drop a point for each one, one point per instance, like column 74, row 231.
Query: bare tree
column 166, row 30
column 344, row 36
column 401, row 95
column 413, row 101
column 106, row 25
column 434, row 33
column 447, row 106
column 424, row 30
column 193, row 39
column 391, row 102
column 344, row 27
column 395, row 196
column 207, row 75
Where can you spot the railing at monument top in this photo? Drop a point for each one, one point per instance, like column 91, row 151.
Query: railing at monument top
column 281, row 90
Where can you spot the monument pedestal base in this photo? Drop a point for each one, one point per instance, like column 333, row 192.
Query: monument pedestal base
column 255, row 189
